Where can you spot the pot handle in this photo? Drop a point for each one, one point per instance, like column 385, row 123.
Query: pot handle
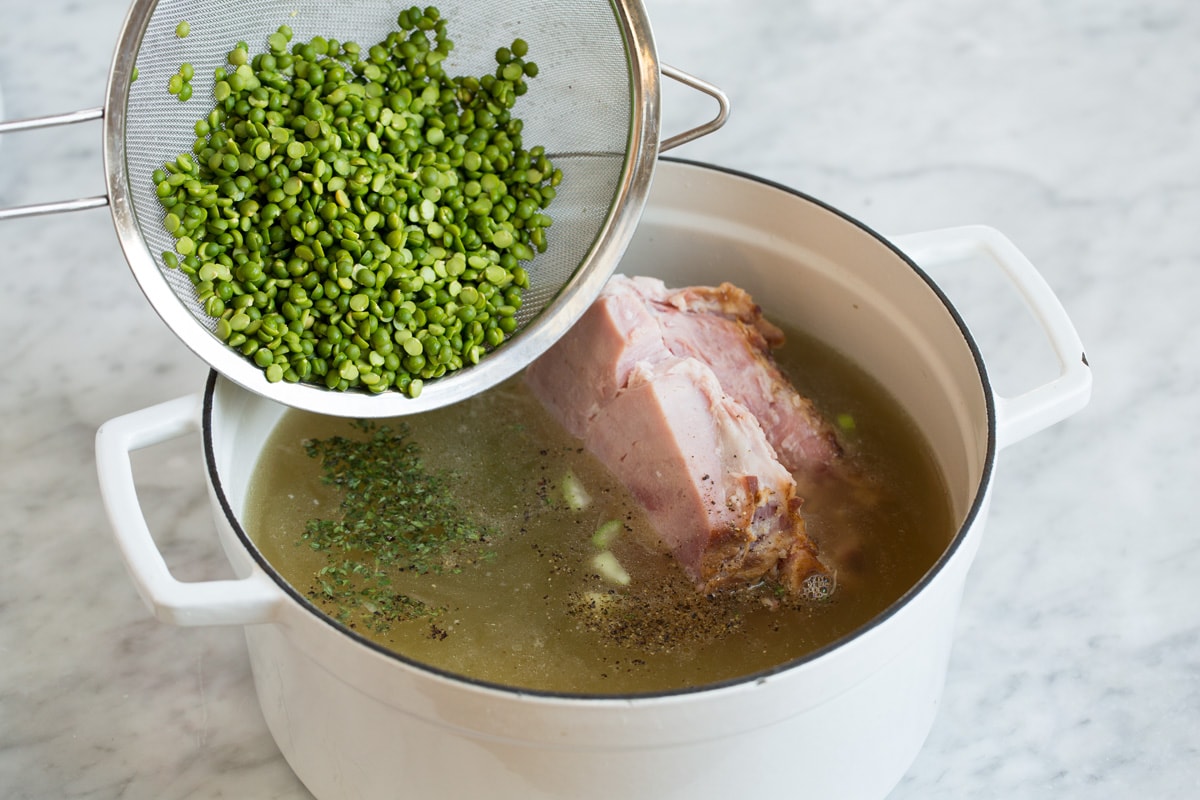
column 244, row 601
column 1025, row 414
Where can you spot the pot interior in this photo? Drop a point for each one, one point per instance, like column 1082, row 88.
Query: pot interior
column 806, row 264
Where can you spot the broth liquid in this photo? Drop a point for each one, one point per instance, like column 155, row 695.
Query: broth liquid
column 529, row 610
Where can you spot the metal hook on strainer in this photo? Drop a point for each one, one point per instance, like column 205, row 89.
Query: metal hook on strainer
column 595, row 109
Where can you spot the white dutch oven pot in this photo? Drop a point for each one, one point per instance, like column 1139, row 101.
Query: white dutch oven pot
column 355, row 721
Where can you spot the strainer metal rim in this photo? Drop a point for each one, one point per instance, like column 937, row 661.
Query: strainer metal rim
column 632, row 192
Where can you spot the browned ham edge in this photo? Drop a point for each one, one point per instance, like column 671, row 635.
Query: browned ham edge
column 676, row 393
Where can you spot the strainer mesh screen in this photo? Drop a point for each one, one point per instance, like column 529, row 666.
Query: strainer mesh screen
column 579, row 107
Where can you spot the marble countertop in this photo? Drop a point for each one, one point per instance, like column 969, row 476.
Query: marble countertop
column 1073, row 127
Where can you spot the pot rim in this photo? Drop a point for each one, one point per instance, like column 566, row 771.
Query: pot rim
column 948, row 554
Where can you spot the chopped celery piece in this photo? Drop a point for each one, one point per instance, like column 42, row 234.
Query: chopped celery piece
column 610, row 568
column 573, row 492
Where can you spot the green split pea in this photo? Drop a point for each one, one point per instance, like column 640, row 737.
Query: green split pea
column 354, row 217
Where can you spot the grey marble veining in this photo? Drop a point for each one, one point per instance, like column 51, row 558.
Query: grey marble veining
column 1073, row 127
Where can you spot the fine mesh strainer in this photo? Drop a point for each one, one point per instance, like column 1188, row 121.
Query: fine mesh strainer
column 594, row 107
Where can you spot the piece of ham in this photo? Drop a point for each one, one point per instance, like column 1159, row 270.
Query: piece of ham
column 725, row 328
column 676, row 393
column 640, row 320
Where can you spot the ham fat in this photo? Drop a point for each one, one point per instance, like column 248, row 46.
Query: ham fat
column 676, row 393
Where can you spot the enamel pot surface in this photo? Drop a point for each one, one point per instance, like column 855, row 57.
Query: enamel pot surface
column 356, row 721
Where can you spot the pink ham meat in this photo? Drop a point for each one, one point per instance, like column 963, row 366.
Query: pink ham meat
column 725, row 329
column 639, row 320
column 638, row 381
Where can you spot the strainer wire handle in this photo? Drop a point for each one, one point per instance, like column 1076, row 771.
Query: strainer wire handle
column 716, row 122
column 89, row 114
column 33, row 123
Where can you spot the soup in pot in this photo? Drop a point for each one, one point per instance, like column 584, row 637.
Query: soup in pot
column 483, row 540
